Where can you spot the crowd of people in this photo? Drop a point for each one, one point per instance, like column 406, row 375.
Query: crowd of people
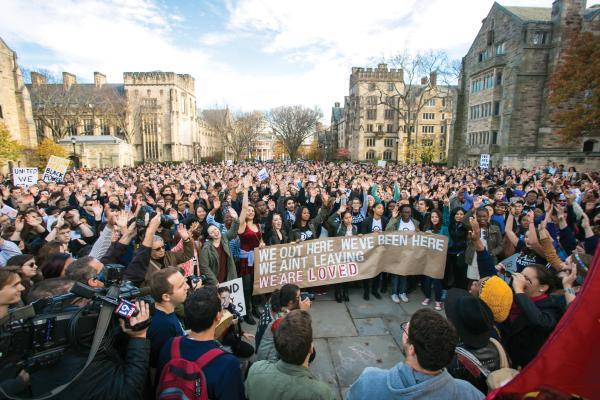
column 520, row 243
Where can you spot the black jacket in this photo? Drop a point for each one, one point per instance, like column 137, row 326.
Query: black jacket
column 523, row 337
column 110, row 376
column 367, row 225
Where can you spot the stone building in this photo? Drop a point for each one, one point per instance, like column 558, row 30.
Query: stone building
column 162, row 110
column 502, row 105
column 207, row 143
column 264, row 145
column 378, row 124
column 15, row 103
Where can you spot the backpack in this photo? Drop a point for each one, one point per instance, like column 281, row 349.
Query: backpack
column 182, row 379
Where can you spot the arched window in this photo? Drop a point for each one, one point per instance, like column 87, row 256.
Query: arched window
column 387, row 155
column 370, row 155
column 589, row 146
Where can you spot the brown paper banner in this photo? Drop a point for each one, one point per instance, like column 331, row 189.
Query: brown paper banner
column 350, row 258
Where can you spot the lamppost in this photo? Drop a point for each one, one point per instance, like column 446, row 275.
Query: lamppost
column 75, row 159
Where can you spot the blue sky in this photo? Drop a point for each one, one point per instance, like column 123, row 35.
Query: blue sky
column 247, row 54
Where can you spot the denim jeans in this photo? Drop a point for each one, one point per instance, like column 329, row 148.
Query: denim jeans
column 399, row 284
column 426, row 283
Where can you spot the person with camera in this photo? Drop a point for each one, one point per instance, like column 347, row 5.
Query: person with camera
column 118, row 370
column 151, row 256
column 233, row 336
column 428, row 343
column 169, row 289
column 290, row 299
column 221, row 370
column 288, row 378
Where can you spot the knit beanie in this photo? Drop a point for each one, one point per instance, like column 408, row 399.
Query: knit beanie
column 497, row 295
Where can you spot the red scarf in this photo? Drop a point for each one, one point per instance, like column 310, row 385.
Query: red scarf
column 515, row 310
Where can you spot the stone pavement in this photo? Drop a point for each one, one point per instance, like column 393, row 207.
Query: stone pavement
column 352, row 336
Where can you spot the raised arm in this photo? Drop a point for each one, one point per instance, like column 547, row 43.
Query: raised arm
column 246, row 185
column 508, row 231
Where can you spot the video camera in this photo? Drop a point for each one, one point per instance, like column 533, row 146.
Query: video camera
column 165, row 221
column 37, row 335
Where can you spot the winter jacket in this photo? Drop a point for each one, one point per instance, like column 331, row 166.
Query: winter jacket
column 209, row 257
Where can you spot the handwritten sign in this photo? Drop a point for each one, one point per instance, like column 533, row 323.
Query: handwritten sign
column 6, row 210
column 484, row 161
column 381, row 163
column 344, row 259
column 25, row 177
column 262, row 174
column 236, row 291
column 56, row 169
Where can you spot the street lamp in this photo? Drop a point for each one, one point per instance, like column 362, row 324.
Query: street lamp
column 75, row 159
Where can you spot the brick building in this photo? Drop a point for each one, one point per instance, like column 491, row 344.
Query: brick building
column 502, row 107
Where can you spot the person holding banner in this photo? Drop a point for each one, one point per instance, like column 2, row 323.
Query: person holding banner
column 375, row 223
column 250, row 238
column 341, row 222
column 436, row 222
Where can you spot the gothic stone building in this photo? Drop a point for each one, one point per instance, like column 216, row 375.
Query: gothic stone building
column 15, row 103
column 502, row 105
column 375, row 131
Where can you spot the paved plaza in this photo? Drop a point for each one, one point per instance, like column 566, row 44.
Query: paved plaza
column 358, row 334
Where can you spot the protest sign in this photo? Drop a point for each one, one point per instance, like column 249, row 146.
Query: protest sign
column 236, row 290
column 344, row 259
column 25, row 177
column 312, row 178
column 381, row 163
column 262, row 174
column 229, row 163
column 11, row 212
column 56, row 169
column 484, row 161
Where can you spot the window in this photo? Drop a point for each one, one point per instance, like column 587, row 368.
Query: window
column 372, row 113
column 390, row 128
column 39, row 128
column 387, row 155
column 88, row 126
column 443, row 117
column 496, row 108
column 148, row 92
column 500, row 48
column 183, row 104
column 149, row 102
column 372, row 86
column 391, row 87
column 444, row 103
column 370, row 142
column 370, row 155
column 104, row 128
column 428, row 115
column 486, row 109
column 72, row 131
column 498, row 78
column 427, row 128
column 369, row 127
column 372, row 100
column 389, row 114
column 430, row 103
column 495, row 137
column 443, row 128
column 538, row 38
column 1, row 115
column 589, row 146
column 483, row 56
column 379, row 128
column 388, row 142
column 488, row 81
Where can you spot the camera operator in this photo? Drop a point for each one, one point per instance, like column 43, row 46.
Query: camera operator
column 151, row 257
column 118, row 371
column 85, row 270
column 10, row 294
column 169, row 289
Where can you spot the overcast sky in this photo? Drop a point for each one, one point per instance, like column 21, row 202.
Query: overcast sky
column 248, row 54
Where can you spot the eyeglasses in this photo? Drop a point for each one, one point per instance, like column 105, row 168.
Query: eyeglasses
column 404, row 327
column 159, row 248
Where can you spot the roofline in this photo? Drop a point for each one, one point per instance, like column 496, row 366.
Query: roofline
column 519, row 18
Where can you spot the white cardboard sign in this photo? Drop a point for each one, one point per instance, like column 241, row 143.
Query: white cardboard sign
column 56, row 169
column 25, row 177
column 484, row 161
column 262, row 174
column 236, row 290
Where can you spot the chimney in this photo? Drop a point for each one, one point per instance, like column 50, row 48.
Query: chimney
column 99, row 79
column 424, row 80
column 68, row 80
column 433, row 78
column 337, row 104
column 38, row 79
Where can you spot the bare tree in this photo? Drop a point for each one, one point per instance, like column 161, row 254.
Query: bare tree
column 220, row 121
column 293, row 125
column 244, row 131
column 427, row 75
column 123, row 111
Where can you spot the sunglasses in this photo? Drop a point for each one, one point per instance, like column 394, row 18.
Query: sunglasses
column 159, row 248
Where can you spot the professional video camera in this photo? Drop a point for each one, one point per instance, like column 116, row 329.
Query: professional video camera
column 142, row 221
column 37, row 335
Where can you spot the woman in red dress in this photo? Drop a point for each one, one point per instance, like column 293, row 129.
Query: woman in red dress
column 250, row 238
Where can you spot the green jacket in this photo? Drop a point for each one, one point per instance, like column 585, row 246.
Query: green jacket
column 283, row 381
column 209, row 257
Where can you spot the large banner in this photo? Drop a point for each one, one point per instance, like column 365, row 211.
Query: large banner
column 344, row 259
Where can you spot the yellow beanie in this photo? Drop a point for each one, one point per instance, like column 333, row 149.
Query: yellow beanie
column 497, row 295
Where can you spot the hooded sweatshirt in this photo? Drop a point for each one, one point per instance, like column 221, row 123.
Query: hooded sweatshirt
column 403, row 382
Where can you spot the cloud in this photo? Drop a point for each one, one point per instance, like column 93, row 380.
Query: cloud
column 318, row 40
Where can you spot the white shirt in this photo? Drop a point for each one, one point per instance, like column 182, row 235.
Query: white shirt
column 377, row 225
column 407, row 226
